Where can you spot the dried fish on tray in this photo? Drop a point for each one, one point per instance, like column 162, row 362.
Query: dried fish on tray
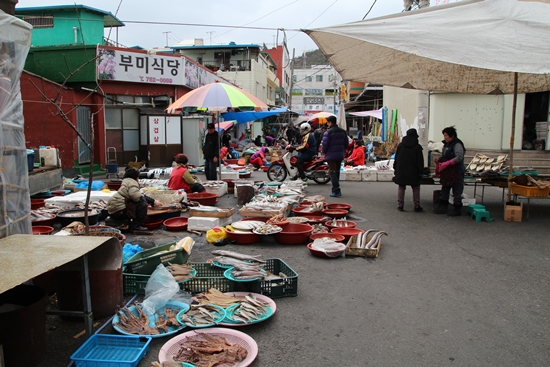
column 211, row 347
column 203, row 315
column 242, row 275
column 134, row 321
column 252, row 308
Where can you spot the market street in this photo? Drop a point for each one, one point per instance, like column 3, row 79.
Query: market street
column 444, row 291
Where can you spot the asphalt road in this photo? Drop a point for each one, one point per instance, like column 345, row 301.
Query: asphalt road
column 443, row 292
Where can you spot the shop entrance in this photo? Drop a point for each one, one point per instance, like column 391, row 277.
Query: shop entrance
column 535, row 122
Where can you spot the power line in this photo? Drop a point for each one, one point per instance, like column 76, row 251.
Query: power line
column 374, row 2
column 206, row 25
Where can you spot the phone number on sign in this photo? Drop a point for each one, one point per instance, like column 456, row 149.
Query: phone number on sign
column 152, row 79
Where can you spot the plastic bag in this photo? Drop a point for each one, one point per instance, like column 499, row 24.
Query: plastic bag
column 161, row 288
column 215, row 234
column 130, row 250
column 96, row 185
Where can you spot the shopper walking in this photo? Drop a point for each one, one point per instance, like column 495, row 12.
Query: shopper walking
column 335, row 142
column 450, row 168
column 211, row 152
column 408, row 166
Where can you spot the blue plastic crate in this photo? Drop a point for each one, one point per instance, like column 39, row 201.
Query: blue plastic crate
column 105, row 350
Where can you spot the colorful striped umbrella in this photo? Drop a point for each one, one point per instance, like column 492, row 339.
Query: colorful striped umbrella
column 320, row 117
column 218, row 97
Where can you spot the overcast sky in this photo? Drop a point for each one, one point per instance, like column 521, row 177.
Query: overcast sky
column 287, row 14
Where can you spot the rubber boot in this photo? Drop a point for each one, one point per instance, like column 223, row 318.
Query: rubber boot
column 455, row 211
column 441, row 208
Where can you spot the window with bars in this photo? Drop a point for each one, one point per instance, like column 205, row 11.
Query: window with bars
column 39, row 21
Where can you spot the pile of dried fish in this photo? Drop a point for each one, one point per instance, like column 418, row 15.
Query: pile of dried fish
column 362, row 238
column 266, row 229
column 215, row 297
column 202, row 315
column 181, row 272
column 319, row 228
column 99, row 205
column 247, row 273
column 339, row 222
column 250, row 309
column 140, row 325
column 38, row 214
column 208, row 350
column 297, row 219
column 225, row 257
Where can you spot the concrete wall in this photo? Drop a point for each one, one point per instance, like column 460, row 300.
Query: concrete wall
column 90, row 27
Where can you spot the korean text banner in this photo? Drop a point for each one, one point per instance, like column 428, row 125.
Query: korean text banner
column 139, row 67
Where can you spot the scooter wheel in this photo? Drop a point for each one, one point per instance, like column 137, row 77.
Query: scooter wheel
column 276, row 172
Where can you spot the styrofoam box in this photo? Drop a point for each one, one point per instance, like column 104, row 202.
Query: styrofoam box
column 369, row 175
column 387, row 163
column 353, row 176
column 206, row 223
column 78, row 197
column 230, row 175
column 220, row 189
column 384, row 175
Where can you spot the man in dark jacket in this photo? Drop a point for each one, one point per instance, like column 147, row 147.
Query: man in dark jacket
column 290, row 134
column 408, row 166
column 211, row 152
column 335, row 142
column 318, row 133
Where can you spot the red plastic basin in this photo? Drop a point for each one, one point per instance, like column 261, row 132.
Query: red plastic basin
column 300, row 211
column 176, row 224
column 338, row 206
column 327, row 255
column 37, row 203
column 340, row 224
column 152, row 223
column 335, row 213
column 45, row 222
column 336, row 237
column 204, row 198
column 347, row 232
column 243, row 238
column 294, row 234
column 39, row 230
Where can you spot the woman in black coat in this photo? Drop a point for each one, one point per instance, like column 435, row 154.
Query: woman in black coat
column 408, row 166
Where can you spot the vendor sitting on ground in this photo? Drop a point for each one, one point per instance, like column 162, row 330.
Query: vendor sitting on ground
column 269, row 140
column 181, row 178
column 357, row 157
column 128, row 203
column 258, row 159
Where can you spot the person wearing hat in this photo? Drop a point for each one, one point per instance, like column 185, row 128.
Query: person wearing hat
column 357, row 157
column 211, row 152
column 408, row 166
column 335, row 141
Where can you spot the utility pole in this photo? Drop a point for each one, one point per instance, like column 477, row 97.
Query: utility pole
column 166, row 33
column 210, row 35
column 291, row 79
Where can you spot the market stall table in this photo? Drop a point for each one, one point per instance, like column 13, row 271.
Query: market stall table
column 24, row 257
column 471, row 181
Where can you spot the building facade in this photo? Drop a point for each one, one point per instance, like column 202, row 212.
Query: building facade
column 315, row 89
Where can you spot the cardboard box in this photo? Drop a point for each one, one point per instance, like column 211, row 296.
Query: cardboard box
column 513, row 213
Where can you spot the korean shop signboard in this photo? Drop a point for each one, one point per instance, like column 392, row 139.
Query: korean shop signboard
column 139, row 67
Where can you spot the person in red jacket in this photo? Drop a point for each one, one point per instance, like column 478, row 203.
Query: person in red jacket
column 181, row 178
column 357, row 157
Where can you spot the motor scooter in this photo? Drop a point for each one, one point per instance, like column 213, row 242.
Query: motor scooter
column 316, row 169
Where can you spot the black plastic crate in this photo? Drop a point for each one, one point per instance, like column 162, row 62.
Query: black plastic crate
column 276, row 288
column 208, row 276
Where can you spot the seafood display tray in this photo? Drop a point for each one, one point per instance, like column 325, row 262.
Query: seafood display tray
column 104, row 350
column 146, row 262
column 208, row 276
column 275, row 288
column 371, row 252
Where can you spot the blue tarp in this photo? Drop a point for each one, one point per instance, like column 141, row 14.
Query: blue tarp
column 242, row 117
